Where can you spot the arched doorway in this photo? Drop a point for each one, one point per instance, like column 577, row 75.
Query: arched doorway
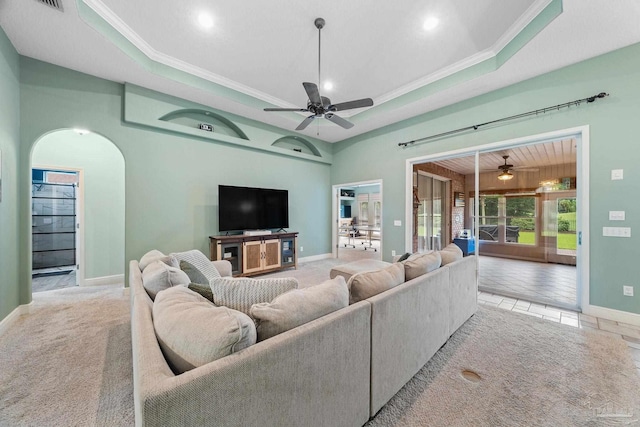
column 77, row 203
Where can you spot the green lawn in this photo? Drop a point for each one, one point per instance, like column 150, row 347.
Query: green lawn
column 565, row 240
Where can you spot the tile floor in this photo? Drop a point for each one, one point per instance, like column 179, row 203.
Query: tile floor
column 49, row 283
column 545, row 283
column 629, row 333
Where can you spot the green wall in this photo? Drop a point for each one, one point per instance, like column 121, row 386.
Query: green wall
column 102, row 168
column 614, row 145
column 170, row 180
column 9, row 150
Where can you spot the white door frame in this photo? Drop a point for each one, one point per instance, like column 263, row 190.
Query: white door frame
column 80, row 272
column 335, row 217
column 581, row 134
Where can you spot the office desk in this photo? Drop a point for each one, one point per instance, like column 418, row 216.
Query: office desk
column 368, row 229
column 350, row 232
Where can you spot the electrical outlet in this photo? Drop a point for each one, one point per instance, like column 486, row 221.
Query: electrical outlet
column 393, row 253
column 627, row 291
column 301, row 248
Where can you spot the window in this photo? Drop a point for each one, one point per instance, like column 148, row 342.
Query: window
column 489, row 217
column 512, row 216
column 521, row 220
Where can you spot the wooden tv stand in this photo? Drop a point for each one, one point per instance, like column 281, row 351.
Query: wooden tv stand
column 250, row 255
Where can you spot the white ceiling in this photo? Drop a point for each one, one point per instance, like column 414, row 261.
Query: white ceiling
column 263, row 51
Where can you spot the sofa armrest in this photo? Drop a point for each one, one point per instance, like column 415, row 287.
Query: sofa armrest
column 223, row 266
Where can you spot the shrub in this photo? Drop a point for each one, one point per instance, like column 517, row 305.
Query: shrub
column 564, row 225
column 525, row 224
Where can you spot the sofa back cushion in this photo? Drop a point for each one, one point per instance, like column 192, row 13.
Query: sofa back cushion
column 240, row 293
column 151, row 256
column 451, row 253
column 192, row 331
column 299, row 306
column 370, row 283
column 421, row 263
column 159, row 276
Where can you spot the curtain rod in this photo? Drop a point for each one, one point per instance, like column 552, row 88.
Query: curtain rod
column 504, row 119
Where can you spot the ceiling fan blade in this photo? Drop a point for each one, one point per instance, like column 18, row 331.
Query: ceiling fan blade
column 306, row 122
column 286, row 109
column 312, row 92
column 341, row 106
column 338, row 120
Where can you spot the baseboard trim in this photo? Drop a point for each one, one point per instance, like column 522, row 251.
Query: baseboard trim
column 105, row 280
column 611, row 314
column 6, row 323
column 315, row 258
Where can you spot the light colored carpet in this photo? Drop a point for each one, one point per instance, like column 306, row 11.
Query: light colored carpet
column 530, row 372
column 68, row 363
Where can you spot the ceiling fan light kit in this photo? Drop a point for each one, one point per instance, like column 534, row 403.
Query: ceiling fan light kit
column 506, row 174
column 321, row 106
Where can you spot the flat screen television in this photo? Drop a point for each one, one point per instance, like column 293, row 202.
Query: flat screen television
column 247, row 208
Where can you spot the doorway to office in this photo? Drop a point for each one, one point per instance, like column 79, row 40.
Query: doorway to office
column 357, row 219
column 530, row 230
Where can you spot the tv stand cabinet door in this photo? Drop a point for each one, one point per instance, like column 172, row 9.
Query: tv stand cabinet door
column 252, row 257
column 272, row 254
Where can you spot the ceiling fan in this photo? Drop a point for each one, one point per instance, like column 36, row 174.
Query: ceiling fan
column 321, row 106
column 506, row 170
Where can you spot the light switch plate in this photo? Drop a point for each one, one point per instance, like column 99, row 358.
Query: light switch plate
column 616, row 215
column 616, row 231
column 617, row 174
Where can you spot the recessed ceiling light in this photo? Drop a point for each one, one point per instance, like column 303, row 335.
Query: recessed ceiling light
column 430, row 23
column 328, row 86
column 205, row 20
column 82, row 131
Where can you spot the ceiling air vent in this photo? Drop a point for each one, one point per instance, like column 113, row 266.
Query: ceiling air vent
column 56, row 4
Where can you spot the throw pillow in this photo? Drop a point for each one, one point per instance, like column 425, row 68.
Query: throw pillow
column 451, row 253
column 151, row 256
column 192, row 331
column 159, row 276
column 368, row 284
column 194, row 274
column 418, row 264
column 241, row 293
column 198, row 260
column 404, row 256
column 299, row 306
column 203, row 290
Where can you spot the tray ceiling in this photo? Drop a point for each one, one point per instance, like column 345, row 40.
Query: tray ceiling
column 257, row 54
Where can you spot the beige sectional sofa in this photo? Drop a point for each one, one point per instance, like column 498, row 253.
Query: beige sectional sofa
column 338, row 370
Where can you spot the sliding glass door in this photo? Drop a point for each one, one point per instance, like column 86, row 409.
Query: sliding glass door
column 432, row 212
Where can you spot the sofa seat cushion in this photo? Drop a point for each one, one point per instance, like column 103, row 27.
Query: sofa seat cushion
column 349, row 269
column 370, row 283
column 151, row 256
column 421, row 263
column 198, row 261
column 299, row 306
column 159, row 276
column 451, row 253
column 240, row 293
column 192, row 331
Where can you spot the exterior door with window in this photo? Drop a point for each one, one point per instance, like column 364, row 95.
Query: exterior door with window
column 432, row 212
column 559, row 227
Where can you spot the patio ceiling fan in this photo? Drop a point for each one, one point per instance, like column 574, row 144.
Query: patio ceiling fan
column 506, row 169
column 321, row 106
